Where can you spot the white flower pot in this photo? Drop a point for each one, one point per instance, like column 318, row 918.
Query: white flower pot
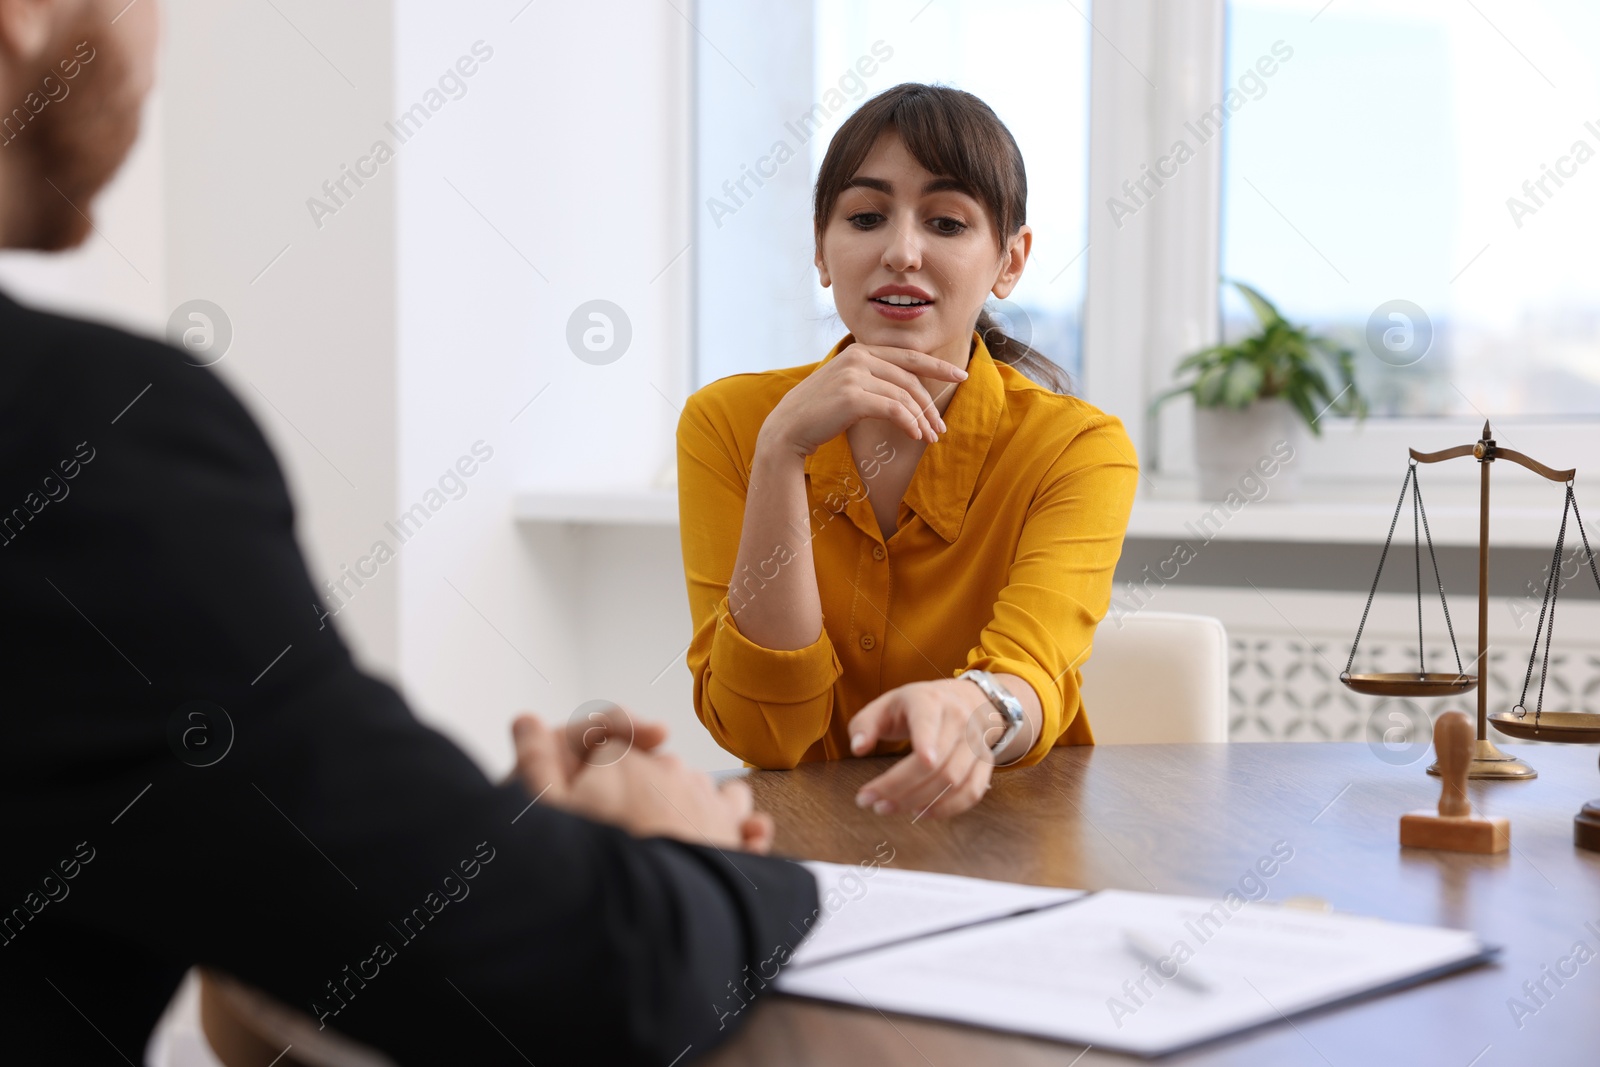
column 1250, row 452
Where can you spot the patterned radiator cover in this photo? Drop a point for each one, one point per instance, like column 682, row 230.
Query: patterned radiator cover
column 1282, row 689
column 1287, row 648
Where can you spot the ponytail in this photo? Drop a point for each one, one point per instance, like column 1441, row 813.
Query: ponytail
column 1030, row 361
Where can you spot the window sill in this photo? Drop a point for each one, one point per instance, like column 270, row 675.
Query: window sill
column 1331, row 518
column 615, row 507
column 1169, row 513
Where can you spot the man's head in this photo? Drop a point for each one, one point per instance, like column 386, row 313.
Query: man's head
column 73, row 76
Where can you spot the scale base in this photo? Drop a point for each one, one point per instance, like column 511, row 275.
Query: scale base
column 1586, row 827
column 1488, row 762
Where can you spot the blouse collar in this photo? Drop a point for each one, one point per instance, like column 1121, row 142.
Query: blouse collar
column 942, row 486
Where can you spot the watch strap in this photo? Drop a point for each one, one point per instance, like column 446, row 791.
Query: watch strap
column 1009, row 707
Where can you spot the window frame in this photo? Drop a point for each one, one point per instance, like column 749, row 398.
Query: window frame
column 1153, row 288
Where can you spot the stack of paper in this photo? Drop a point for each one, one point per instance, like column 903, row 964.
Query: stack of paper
column 905, row 905
column 1139, row 972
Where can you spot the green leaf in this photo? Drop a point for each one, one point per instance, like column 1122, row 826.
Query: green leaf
column 1266, row 313
column 1208, row 389
column 1177, row 391
column 1307, row 412
column 1214, row 354
column 1242, row 385
column 1280, row 359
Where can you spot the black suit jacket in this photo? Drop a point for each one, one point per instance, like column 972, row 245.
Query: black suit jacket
column 332, row 851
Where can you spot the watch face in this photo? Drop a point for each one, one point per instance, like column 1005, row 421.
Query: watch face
column 1010, row 706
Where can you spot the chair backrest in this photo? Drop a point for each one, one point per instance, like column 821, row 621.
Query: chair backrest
column 1158, row 676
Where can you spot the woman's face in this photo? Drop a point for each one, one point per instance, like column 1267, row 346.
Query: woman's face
column 911, row 259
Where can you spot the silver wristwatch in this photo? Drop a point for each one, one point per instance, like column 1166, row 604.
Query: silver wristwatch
column 1009, row 707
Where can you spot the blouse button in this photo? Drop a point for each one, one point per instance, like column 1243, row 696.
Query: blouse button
column 878, row 552
column 868, row 642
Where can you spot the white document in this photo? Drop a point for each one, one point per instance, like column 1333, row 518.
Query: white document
column 864, row 907
column 1084, row 972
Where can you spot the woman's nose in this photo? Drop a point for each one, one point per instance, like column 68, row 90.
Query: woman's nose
column 902, row 252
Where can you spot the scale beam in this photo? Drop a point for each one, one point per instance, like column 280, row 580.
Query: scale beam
column 1449, row 453
column 1535, row 466
column 1495, row 452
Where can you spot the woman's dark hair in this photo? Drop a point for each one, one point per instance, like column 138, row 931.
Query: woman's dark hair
column 955, row 135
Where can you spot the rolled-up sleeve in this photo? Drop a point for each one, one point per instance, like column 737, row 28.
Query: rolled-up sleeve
column 1059, row 585
column 766, row 706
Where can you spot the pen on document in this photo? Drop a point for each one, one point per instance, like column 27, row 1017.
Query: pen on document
column 1146, row 952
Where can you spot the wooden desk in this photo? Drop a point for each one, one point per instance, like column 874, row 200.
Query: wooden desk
column 1193, row 819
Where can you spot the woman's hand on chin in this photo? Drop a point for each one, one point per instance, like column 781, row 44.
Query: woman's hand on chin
column 861, row 382
column 950, row 765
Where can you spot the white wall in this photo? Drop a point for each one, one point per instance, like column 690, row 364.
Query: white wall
column 561, row 177
column 248, row 119
column 261, row 108
column 385, row 341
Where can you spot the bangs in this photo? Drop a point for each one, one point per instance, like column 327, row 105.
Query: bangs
column 951, row 133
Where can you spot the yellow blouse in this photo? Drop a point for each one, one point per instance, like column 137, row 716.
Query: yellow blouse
column 1001, row 561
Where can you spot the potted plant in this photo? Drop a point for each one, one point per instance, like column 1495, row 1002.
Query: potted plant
column 1255, row 397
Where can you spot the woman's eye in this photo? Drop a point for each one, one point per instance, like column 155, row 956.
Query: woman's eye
column 949, row 227
column 865, row 220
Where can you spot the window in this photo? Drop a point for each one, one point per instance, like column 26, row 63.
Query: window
column 1445, row 155
column 1442, row 155
column 770, row 96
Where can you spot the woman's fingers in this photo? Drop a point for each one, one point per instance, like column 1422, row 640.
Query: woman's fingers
column 895, row 373
column 888, row 793
column 926, row 725
column 914, row 423
column 948, row 769
column 868, row 726
column 919, row 363
column 892, row 790
column 947, row 753
column 916, row 793
column 913, row 386
column 966, row 794
column 864, row 382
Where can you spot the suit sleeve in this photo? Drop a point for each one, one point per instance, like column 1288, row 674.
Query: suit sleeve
column 766, row 706
column 1059, row 585
column 337, row 854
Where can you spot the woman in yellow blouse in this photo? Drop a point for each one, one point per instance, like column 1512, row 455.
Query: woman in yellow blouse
column 903, row 543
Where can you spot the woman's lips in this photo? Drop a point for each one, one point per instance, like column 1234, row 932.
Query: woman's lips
column 900, row 312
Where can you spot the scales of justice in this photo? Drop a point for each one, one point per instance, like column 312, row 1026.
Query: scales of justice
column 1569, row 727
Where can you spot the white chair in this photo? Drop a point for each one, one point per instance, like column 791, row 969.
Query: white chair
column 1157, row 676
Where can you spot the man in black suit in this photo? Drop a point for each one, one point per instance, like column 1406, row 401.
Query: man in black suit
column 192, row 771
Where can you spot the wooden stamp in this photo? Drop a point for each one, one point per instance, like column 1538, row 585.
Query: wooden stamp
column 1454, row 827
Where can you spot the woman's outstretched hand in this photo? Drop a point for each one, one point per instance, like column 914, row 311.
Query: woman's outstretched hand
column 861, row 382
column 948, row 723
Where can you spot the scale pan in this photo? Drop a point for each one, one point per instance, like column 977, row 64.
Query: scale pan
column 1411, row 684
column 1570, row 727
